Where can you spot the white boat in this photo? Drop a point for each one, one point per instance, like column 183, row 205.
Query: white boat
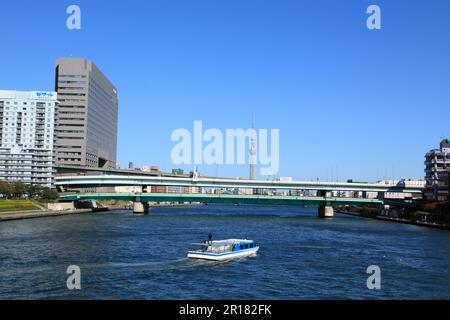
column 219, row 250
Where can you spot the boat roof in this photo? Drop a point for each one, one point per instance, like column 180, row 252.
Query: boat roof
column 217, row 243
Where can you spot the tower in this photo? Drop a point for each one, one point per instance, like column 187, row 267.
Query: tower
column 253, row 151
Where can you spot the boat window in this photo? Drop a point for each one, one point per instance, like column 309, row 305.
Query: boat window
column 246, row 246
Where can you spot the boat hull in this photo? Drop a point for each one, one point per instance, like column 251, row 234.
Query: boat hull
column 223, row 256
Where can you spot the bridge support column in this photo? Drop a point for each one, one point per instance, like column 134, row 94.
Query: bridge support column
column 326, row 211
column 325, row 193
column 141, row 207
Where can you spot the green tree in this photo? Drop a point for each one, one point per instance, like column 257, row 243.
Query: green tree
column 19, row 188
column 33, row 191
column 49, row 194
column 6, row 189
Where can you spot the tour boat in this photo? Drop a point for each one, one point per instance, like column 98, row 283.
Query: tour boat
column 219, row 250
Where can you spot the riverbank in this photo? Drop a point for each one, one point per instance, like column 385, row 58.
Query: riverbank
column 33, row 214
column 20, row 205
column 17, row 215
column 435, row 225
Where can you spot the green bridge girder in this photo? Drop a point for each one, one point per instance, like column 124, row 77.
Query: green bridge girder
column 221, row 198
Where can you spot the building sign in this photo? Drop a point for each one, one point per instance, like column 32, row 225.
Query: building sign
column 43, row 95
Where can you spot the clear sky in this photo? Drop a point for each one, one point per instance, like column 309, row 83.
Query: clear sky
column 349, row 102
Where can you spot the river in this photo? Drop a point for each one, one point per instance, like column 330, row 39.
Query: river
column 122, row 256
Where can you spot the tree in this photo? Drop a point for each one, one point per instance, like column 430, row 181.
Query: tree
column 5, row 189
column 49, row 194
column 19, row 188
column 33, row 191
column 30, row 191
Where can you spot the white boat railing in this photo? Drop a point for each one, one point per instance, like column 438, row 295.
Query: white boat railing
column 212, row 249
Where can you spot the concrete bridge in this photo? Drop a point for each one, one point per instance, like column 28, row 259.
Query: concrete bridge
column 141, row 200
column 105, row 180
column 325, row 200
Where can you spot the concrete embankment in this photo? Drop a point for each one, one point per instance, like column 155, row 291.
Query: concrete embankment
column 399, row 220
column 68, row 210
column 8, row 216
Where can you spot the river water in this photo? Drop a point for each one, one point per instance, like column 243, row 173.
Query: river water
column 122, row 256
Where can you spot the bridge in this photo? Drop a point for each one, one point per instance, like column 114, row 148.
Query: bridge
column 105, row 180
column 325, row 200
column 141, row 200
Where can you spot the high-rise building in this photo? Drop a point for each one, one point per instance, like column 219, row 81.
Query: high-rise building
column 437, row 166
column 86, row 129
column 27, row 122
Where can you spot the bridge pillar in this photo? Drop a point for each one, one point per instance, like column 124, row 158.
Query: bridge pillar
column 140, row 207
column 326, row 211
column 325, row 193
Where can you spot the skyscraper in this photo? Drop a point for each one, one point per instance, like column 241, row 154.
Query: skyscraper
column 27, row 136
column 86, row 127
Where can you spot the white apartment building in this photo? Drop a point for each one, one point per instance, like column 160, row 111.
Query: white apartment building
column 27, row 121
column 437, row 172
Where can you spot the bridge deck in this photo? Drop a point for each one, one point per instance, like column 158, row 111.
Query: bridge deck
column 221, row 198
column 80, row 181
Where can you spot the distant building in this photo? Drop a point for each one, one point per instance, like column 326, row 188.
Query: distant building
column 128, row 189
column 86, row 130
column 27, row 121
column 178, row 171
column 403, row 183
column 159, row 189
column 413, row 183
column 437, row 166
column 176, row 189
column 194, row 190
column 246, row 191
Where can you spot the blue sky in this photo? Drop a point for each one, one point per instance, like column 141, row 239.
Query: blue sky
column 349, row 102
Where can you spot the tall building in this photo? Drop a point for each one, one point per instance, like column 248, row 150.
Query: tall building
column 437, row 166
column 27, row 121
column 86, row 129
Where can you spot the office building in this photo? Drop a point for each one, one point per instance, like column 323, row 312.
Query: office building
column 437, row 166
column 86, row 129
column 27, row 121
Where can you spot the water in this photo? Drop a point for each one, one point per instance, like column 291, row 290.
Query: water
column 122, row 256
